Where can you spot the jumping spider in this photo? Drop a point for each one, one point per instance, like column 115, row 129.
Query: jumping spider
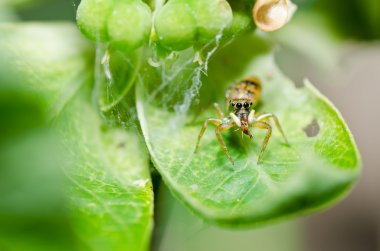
column 242, row 97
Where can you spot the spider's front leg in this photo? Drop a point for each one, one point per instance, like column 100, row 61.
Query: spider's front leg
column 266, row 116
column 263, row 125
column 219, row 111
column 216, row 122
column 217, row 108
column 259, row 122
column 220, row 127
column 218, row 130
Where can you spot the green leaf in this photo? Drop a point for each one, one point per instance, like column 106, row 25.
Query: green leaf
column 308, row 176
column 108, row 198
column 112, row 197
column 52, row 64
column 17, row 3
column 32, row 184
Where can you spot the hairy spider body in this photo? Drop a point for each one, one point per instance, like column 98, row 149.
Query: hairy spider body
column 248, row 89
column 242, row 97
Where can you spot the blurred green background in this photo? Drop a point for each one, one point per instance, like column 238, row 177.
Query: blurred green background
column 333, row 43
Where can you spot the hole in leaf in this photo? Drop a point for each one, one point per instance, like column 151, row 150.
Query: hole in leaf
column 312, row 129
column 121, row 145
column 299, row 84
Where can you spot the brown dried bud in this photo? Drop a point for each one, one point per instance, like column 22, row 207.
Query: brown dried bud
column 270, row 15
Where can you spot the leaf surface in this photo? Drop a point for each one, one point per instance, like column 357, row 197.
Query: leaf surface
column 108, row 195
column 309, row 175
column 111, row 196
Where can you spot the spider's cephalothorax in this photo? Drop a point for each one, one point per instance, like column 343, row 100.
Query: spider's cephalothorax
column 242, row 98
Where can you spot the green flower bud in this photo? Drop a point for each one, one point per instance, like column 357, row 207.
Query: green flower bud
column 181, row 23
column 129, row 25
column 92, row 18
column 175, row 26
column 212, row 17
column 241, row 23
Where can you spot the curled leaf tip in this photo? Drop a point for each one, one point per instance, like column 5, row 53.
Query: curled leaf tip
column 271, row 15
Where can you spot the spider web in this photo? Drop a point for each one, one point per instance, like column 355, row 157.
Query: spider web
column 180, row 79
column 172, row 82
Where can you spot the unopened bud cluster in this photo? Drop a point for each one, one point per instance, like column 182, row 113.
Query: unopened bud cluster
column 179, row 24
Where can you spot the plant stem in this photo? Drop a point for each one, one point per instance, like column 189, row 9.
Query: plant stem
column 163, row 205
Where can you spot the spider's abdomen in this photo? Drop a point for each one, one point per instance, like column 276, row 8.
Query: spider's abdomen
column 248, row 89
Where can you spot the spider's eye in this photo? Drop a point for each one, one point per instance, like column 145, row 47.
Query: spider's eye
column 246, row 105
column 233, row 104
column 239, row 105
column 250, row 103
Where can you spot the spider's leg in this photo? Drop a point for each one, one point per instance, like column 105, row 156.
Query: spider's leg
column 216, row 122
column 267, row 116
column 263, row 125
column 219, row 111
column 218, row 131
